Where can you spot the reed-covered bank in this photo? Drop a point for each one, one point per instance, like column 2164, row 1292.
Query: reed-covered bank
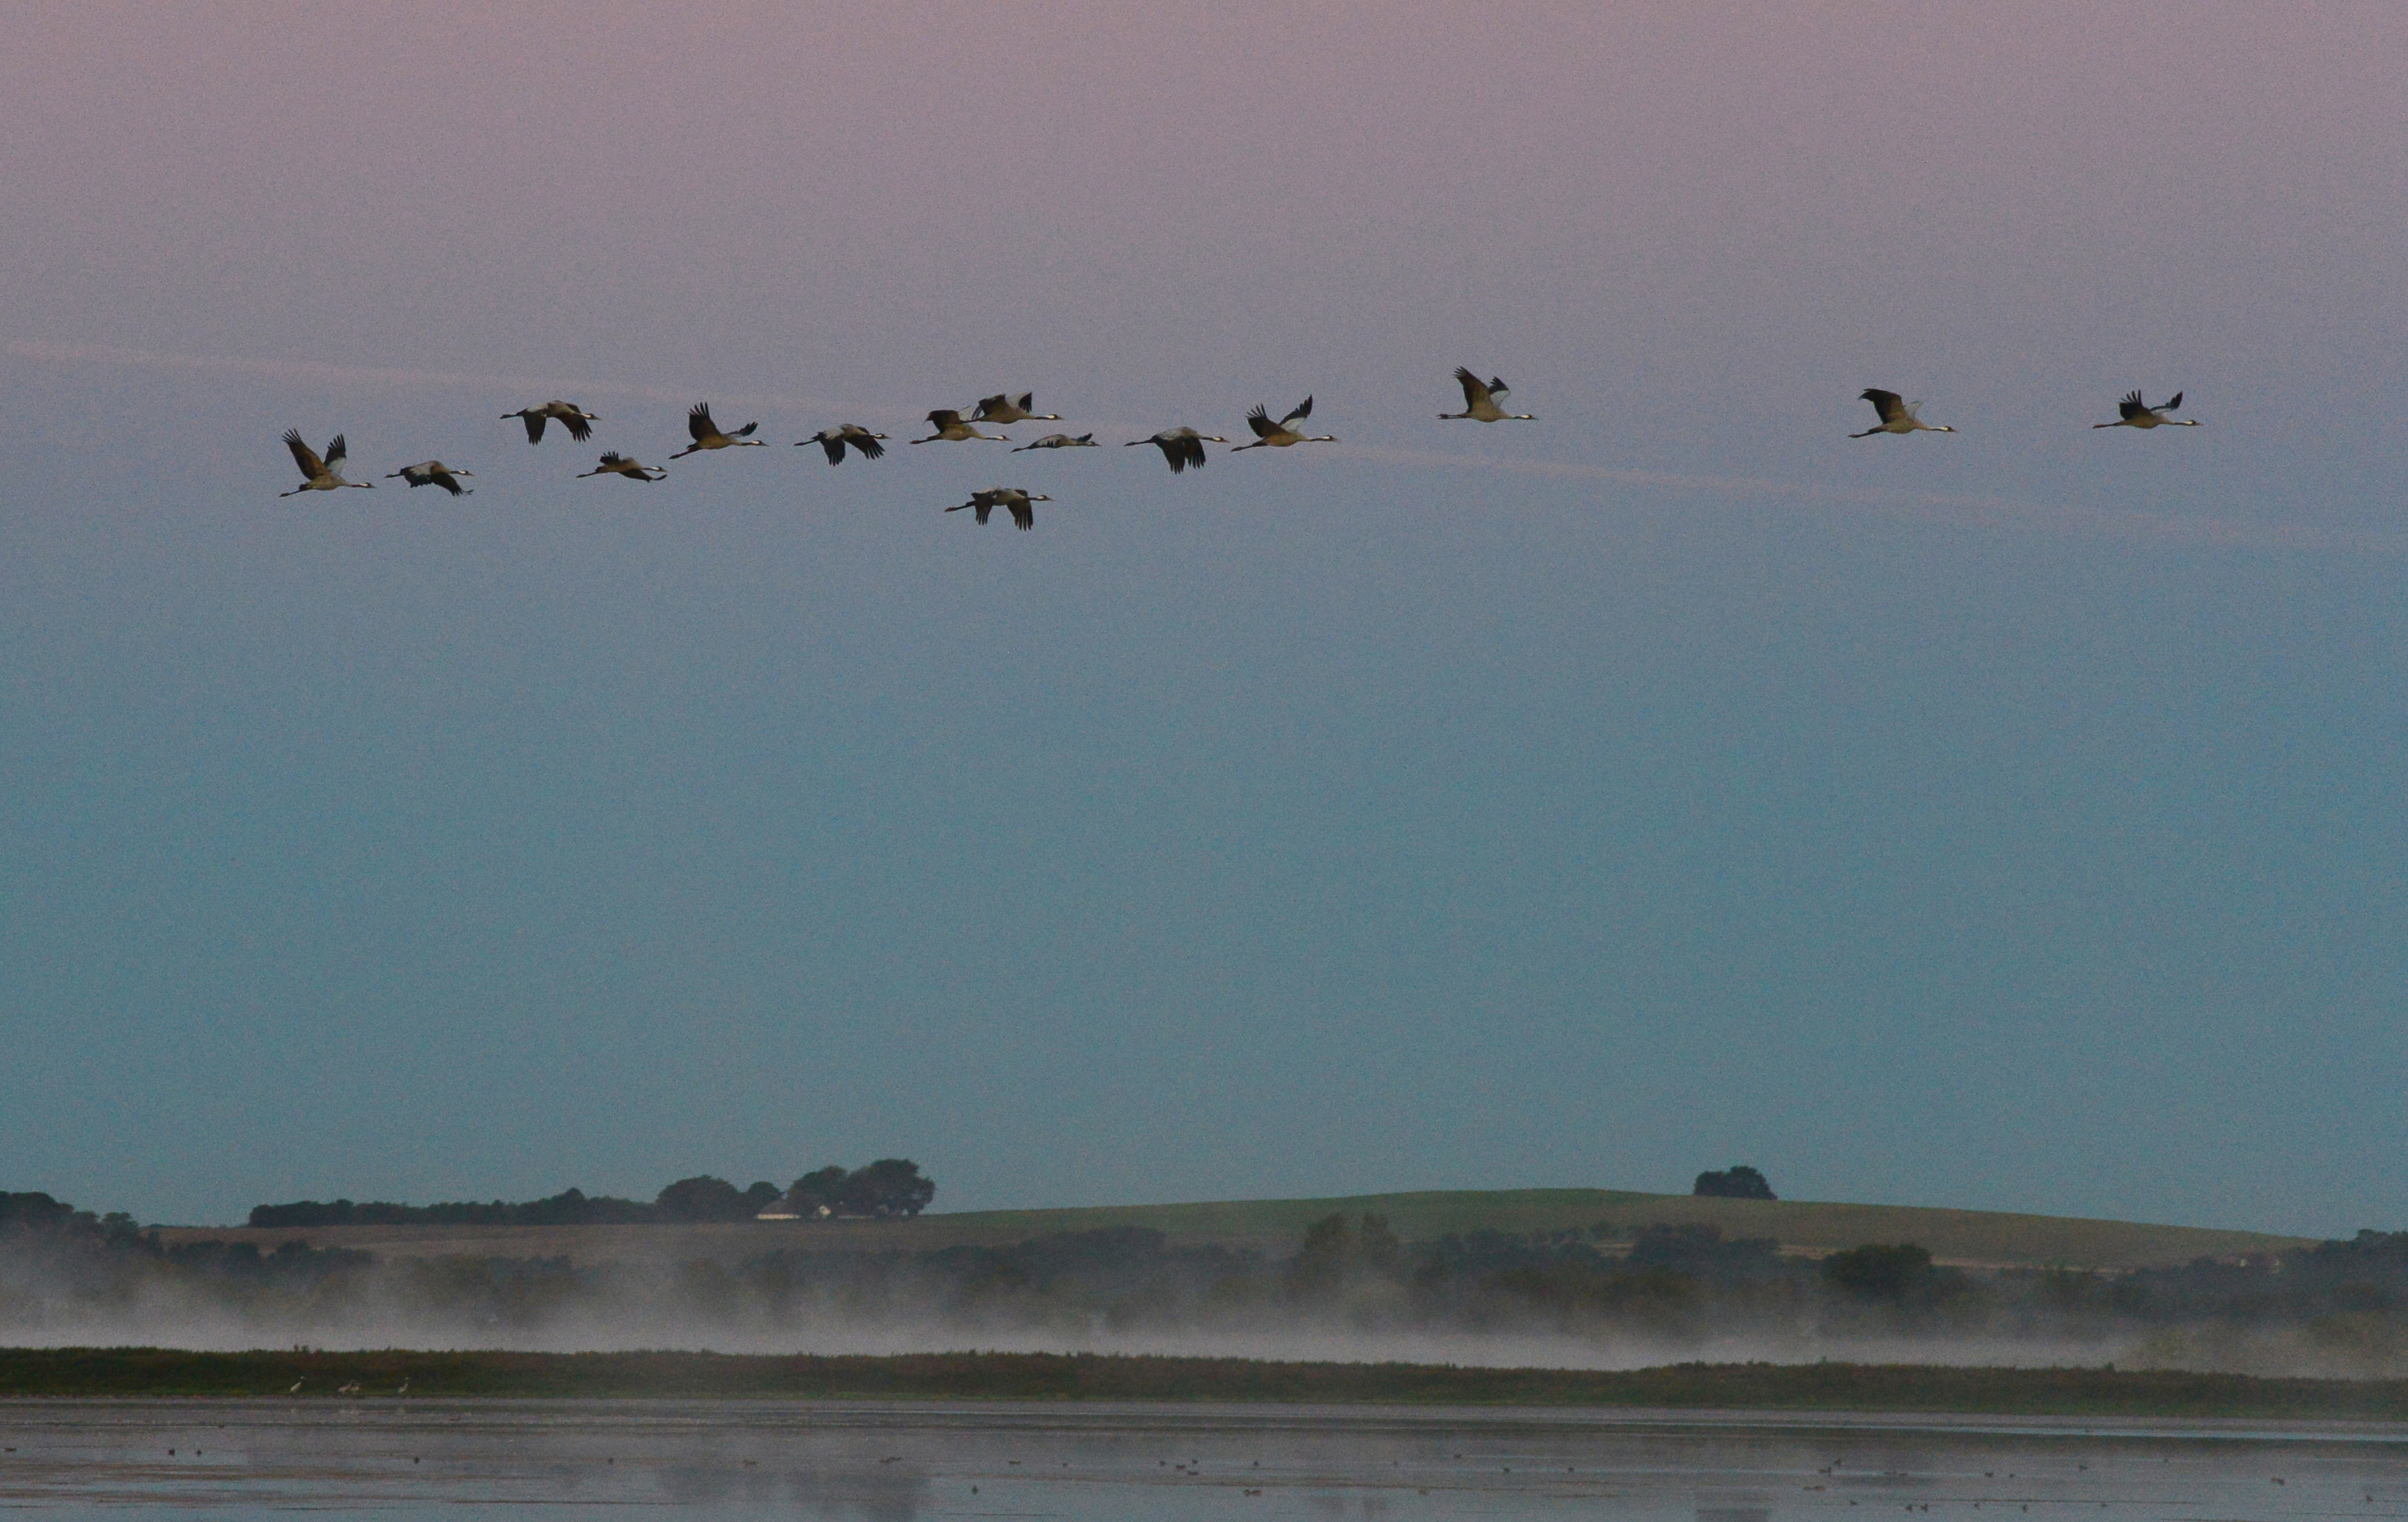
column 389, row 1374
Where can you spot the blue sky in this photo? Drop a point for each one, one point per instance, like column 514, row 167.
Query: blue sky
column 2006, row 820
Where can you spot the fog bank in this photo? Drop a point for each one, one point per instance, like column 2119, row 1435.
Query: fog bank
column 1350, row 1290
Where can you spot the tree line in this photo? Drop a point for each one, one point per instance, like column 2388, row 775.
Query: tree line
column 888, row 1189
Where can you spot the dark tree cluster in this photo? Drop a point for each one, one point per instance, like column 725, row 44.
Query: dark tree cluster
column 292, row 1264
column 1334, row 1254
column 2366, row 1275
column 1671, row 1276
column 34, row 1216
column 1898, row 1272
column 1124, row 1277
column 99, row 1256
column 890, row 1188
column 887, row 1189
column 704, row 1197
column 35, row 1211
column 571, row 1207
column 1702, row 1252
column 1738, row 1182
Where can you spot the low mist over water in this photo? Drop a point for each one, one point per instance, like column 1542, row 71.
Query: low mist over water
column 1347, row 1288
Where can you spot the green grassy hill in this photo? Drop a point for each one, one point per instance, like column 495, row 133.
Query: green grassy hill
column 1805, row 1226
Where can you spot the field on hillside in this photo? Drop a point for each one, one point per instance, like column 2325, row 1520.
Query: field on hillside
column 1986, row 1238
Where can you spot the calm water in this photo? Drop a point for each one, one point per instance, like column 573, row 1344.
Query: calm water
column 878, row 1462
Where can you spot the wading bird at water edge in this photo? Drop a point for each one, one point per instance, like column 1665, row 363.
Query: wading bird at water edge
column 320, row 474
column 435, row 473
column 834, row 440
column 1897, row 415
column 1280, row 435
column 571, row 417
column 706, row 435
column 2139, row 414
column 1482, row 401
column 615, row 464
column 1181, row 447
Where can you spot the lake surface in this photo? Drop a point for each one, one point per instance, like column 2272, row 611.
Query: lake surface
column 1095, row 1462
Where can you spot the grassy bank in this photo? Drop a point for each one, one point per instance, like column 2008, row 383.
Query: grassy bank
column 1822, row 1387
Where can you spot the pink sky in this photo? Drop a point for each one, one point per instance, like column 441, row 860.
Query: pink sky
column 1622, row 206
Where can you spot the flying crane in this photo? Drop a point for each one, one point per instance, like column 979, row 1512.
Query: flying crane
column 1897, row 415
column 707, row 434
column 2139, row 414
column 1182, row 446
column 1483, row 400
column 616, row 463
column 319, row 473
column 1001, row 408
column 1012, row 500
column 834, row 440
column 950, row 429
column 435, row 473
column 1280, row 435
column 567, row 414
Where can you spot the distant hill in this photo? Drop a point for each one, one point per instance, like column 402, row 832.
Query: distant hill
column 1986, row 1238
column 1803, row 1227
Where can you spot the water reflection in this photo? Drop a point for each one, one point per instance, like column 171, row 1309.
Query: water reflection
column 863, row 1462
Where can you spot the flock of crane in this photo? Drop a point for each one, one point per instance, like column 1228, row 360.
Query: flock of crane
column 1484, row 401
